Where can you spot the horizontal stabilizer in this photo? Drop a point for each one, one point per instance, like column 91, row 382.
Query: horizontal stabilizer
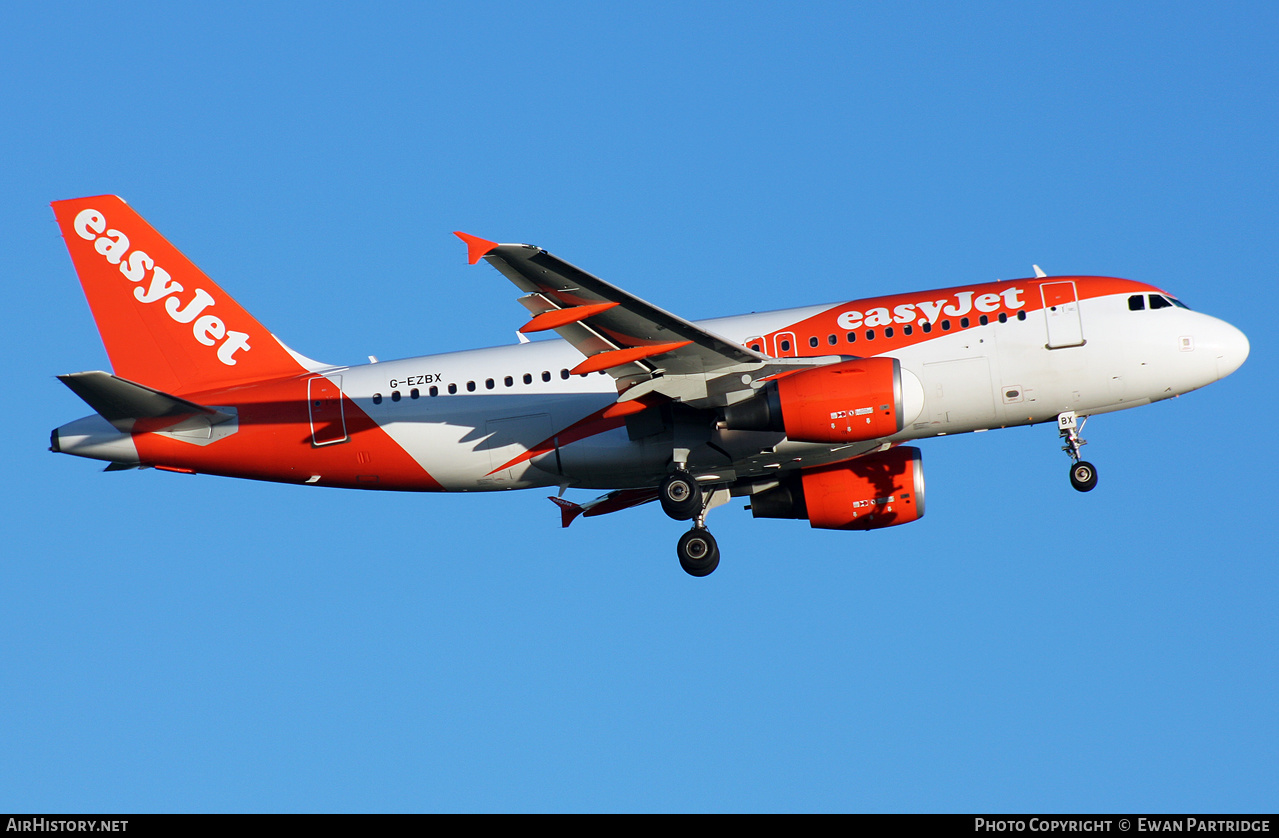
column 121, row 401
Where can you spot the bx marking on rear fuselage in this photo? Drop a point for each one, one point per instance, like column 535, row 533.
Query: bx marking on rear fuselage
column 804, row 410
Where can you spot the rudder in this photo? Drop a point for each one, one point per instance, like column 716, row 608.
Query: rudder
column 163, row 321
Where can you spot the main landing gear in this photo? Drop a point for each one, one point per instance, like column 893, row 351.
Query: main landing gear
column 682, row 498
column 1083, row 474
column 680, row 495
column 698, row 552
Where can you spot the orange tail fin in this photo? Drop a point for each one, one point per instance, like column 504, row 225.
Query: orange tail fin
column 164, row 323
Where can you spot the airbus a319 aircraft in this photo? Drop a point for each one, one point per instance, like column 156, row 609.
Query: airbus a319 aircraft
column 804, row 411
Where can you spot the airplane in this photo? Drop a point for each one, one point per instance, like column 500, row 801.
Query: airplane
column 804, row 411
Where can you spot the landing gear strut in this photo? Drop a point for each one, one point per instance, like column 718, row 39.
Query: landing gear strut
column 1083, row 474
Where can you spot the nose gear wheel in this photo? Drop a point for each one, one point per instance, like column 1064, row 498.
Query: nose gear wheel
column 1083, row 474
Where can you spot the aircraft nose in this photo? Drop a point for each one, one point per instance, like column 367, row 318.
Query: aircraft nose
column 1232, row 349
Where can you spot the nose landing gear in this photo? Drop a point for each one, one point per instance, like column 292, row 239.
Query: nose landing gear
column 1083, row 474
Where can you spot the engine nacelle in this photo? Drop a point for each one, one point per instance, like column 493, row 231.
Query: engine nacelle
column 883, row 489
column 852, row 401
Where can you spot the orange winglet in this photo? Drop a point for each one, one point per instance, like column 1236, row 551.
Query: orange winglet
column 568, row 510
column 555, row 318
column 476, row 247
column 617, row 357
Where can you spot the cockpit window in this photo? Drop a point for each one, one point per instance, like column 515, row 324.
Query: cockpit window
column 1137, row 302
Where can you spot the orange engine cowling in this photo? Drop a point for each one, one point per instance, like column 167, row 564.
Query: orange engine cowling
column 883, row 489
column 850, row 401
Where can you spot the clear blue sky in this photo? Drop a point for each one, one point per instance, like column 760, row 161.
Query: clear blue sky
column 176, row 643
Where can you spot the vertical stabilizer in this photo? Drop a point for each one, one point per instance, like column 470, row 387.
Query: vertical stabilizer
column 164, row 323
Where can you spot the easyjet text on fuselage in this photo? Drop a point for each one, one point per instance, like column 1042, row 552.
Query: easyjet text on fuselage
column 959, row 304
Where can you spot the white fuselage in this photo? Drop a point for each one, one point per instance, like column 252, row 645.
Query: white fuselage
column 465, row 415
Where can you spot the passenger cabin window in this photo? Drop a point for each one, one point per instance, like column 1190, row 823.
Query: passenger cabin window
column 564, row 374
column 488, row 384
column 546, row 376
column 508, row 381
column 470, row 386
column 377, row 398
column 414, row 393
column 1003, row 317
column 813, row 341
column 851, row 337
column 395, row 395
column 433, row 392
column 1021, row 315
column 452, row 389
column 908, row 330
column 1137, row 302
column 888, row 332
column 786, row 346
column 528, row 378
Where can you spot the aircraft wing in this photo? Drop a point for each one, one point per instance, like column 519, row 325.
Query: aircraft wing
column 644, row 348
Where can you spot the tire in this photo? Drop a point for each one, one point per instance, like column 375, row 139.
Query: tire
column 1083, row 476
column 680, row 495
column 698, row 552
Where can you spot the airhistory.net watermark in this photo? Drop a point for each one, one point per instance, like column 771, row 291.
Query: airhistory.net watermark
column 63, row 825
